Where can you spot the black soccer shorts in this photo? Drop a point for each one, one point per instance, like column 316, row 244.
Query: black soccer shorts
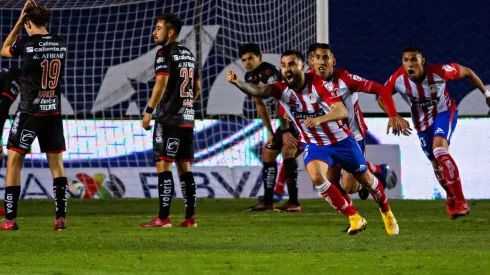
column 26, row 127
column 173, row 143
column 276, row 144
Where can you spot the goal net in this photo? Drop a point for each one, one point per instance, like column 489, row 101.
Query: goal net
column 109, row 73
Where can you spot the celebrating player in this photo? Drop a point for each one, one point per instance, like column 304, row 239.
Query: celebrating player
column 177, row 86
column 10, row 87
column 434, row 115
column 319, row 114
column 347, row 86
column 259, row 72
column 39, row 112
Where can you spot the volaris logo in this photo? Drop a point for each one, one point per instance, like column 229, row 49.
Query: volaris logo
column 88, row 187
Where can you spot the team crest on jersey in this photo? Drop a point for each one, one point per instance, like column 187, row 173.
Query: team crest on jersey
column 433, row 88
column 313, row 98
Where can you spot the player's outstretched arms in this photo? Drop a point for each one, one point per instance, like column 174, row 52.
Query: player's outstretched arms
column 337, row 112
column 249, row 89
column 398, row 123
column 12, row 37
column 468, row 73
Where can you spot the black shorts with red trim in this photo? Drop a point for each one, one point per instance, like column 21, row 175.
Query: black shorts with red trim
column 276, row 144
column 173, row 143
column 26, row 127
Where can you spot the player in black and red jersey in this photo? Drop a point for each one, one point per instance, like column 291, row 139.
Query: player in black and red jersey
column 9, row 89
column 259, row 72
column 177, row 86
column 39, row 112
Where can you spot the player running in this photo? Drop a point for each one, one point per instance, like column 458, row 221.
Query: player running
column 347, row 85
column 9, row 87
column 177, row 86
column 434, row 115
column 39, row 112
column 259, row 72
column 319, row 114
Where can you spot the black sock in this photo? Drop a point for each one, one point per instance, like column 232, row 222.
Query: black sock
column 165, row 193
column 188, row 187
column 60, row 191
column 12, row 194
column 269, row 174
column 291, row 168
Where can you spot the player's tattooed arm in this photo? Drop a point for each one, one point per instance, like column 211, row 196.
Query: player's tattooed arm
column 337, row 112
column 197, row 89
column 156, row 96
column 249, row 89
column 469, row 74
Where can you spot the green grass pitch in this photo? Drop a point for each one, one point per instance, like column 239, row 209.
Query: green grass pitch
column 103, row 237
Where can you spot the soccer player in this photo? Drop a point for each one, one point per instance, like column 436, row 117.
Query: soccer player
column 347, row 86
column 39, row 112
column 434, row 115
column 259, row 72
column 9, row 88
column 177, row 86
column 319, row 114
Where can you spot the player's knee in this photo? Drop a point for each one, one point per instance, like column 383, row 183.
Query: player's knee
column 440, row 142
column 288, row 152
column 269, row 155
column 349, row 183
column 365, row 179
column 317, row 178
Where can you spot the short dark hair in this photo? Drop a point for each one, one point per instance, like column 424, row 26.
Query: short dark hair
column 311, row 48
column 249, row 48
column 324, row 46
column 40, row 16
column 298, row 54
column 173, row 20
column 413, row 49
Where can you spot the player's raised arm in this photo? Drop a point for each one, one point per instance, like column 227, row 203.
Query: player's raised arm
column 12, row 37
column 249, row 89
column 468, row 73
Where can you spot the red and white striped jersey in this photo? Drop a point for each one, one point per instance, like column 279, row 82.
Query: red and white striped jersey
column 313, row 100
column 347, row 86
column 429, row 97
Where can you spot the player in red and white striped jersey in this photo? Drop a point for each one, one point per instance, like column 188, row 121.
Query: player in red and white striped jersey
column 321, row 118
column 434, row 115
column 347, row 86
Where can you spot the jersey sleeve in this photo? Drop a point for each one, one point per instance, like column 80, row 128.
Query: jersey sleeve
column 162, row 63
column 270, row 75
column 449, row 71
column 276, row 90
column 17, row 49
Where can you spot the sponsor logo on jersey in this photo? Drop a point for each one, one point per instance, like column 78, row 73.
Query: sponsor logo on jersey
column 433, row 88
column 448, row 68
column 160, row 60
column 47, row 94
column 426, row 103
column 305, row 115
column 29, row 49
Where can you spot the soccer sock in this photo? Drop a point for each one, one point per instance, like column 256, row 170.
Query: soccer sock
column 60, row 191
column 450, row 172
column 188, row 187
column 269, row 173
column 374, row 168
column 12, row 194
column 345, row 195
column 442, row 181
column 165, row 193
column 378, row 193
column 334, row 197
column 281, row 179
column 291, row 167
